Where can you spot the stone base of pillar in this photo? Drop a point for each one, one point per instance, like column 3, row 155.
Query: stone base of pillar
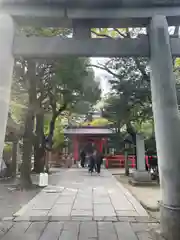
column 140, row 177
column 170, row 222
column 156, row 234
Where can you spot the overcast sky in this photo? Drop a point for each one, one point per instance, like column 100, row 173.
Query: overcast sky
column 102, row 75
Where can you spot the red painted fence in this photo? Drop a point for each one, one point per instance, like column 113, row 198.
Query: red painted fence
column 118, row 161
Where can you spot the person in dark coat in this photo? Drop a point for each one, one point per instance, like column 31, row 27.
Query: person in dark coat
column 91, row 163
column 83, row 158
column 99, row 161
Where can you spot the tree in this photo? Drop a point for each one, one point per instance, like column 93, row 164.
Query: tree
column 130, row 82
column 25, row 74
column 49, row 87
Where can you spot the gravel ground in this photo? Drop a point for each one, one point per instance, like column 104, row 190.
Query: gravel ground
column 11, row 199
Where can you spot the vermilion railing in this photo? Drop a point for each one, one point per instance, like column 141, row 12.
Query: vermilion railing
column 119, row 161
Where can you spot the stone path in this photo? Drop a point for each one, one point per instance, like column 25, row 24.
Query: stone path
column 80, row 207
column 80, row 195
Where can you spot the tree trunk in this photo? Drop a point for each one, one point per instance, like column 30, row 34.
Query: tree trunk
column 51, row 130
column 14, row 159
column 39, row 160
column 132, row 132
column 29, row 126
column 27, row 151
column 126, row 163
column 53, row 122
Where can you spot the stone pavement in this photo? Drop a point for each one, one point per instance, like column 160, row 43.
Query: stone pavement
column 80, row 207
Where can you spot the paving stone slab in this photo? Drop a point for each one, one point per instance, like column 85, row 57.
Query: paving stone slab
column 59, row 218
column 127, row 219
column 22, row 219
column 35, row 230
column 124, row 231
column 60, row 210
column 139, row 227
column 52, row 231
column 110, row 219
column 127, row 213
column 146, row 219
column 81, row 212
column 7, row 219
column 101, row 200
column 5, row 227
column 144, row 236
column 39, row 218
column 38, row 213
column 83, row 205
column 17, row 231
column 106, row 231
column 88, row 230
column 104, row 210
column 81, row 218
column 65, row 200
column 70, row 231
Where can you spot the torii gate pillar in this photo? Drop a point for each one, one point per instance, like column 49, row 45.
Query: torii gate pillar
column 167, row 126
column 6, row 72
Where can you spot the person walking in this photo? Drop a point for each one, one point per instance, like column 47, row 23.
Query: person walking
column 83, row 158
column 99, row 161
column 91, row 163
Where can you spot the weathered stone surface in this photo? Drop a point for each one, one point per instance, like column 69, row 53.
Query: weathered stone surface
column 127, row 213
column 35, row 230
column 52, row 231
column 17, row 231
column 104, row 210
column 83, row 213
column 124, row 231
column 127, row 219
column 106, row 231
column 59, row 218
column 70, row 231
column 39, row 218
column 145, row 219
column 139, row 227
column 144, row 236
column 88, row 230
column 60, row 210
column 81, row 218
column 81, row 196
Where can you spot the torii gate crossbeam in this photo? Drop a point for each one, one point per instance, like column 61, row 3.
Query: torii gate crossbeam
column 97, row 13
column 45, row 47
column 82, row 15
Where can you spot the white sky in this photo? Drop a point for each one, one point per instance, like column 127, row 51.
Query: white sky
column 102, row 75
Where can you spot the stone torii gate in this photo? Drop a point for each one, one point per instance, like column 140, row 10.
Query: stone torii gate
column 81, row 16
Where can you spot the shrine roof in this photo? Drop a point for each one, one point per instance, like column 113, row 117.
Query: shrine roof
column 88, row 131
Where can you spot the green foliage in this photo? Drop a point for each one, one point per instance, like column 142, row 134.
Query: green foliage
column 7, row 147
column 58, row 139
column 99, row 122
column 130, row 99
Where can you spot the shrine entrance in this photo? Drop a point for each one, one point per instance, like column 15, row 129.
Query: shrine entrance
column 81, row 16
column 81, row 136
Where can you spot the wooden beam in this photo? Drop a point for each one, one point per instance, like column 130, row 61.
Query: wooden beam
column 46, row 16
